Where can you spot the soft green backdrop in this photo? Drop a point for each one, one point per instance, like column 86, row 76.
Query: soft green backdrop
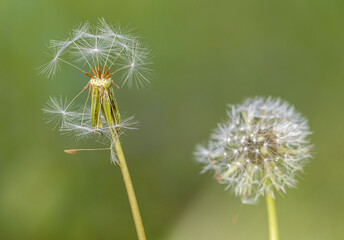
column 206, row 54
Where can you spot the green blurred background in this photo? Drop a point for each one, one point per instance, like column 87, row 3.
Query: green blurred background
column 206, row 54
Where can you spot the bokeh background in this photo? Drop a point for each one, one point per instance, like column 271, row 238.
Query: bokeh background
column 206, row 54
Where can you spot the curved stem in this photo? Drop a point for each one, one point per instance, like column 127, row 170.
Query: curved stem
column 272, row 216
column 130, row 190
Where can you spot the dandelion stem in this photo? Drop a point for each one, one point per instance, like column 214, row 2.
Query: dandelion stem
column 272, row 216
column 130, row 190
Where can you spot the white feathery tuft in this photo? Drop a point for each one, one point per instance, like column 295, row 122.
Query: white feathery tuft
column 57, row 112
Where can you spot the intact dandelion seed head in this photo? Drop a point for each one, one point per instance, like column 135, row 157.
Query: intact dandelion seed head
column 260, row 149
column 105, row 55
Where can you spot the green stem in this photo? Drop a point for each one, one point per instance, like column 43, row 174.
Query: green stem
column 130, row 190
column 272, row 216
column 112, row 116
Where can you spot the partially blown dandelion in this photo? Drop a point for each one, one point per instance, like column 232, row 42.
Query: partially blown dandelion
column 259, row 149
column 105, row 55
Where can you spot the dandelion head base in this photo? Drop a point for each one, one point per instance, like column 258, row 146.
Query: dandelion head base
column 100, row 82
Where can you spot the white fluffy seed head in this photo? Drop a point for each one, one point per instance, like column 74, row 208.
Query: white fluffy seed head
column 102, row 45
column 268, row 147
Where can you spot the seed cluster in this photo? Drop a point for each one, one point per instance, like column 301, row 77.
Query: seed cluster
column 259, row 149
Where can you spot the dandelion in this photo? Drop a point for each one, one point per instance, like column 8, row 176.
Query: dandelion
column 259, row 150
column 107, row 56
